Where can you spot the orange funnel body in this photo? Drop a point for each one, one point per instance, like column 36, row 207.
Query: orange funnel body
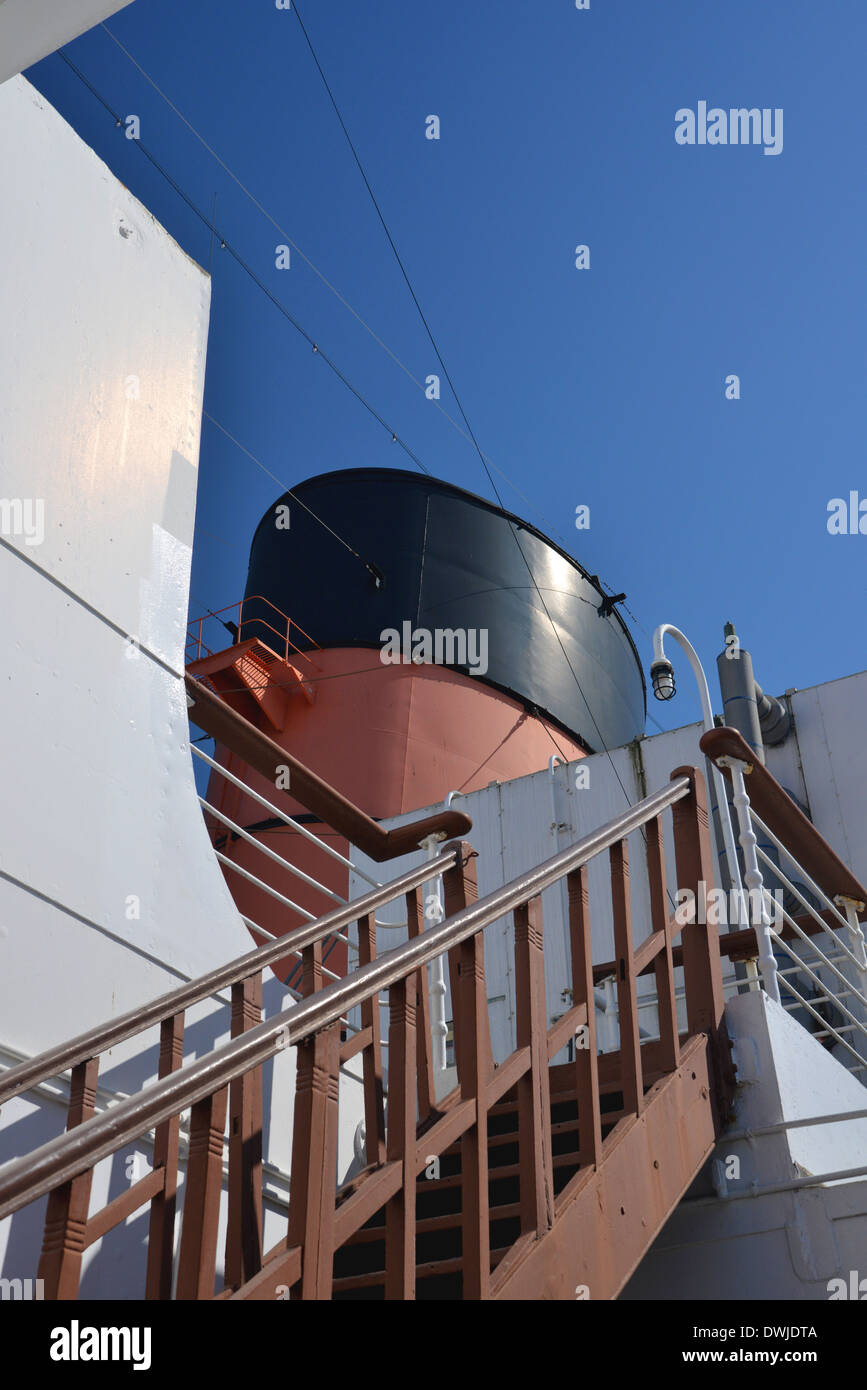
column 522, row 656
column 390, row 738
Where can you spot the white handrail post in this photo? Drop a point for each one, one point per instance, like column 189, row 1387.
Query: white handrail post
column 435, row 912
column 851, row 907
column 856, row 933
column 754, row 881
column 609, row 1032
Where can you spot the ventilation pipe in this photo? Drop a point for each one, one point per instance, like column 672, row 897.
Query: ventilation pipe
column 759, row 718
column 774, row 718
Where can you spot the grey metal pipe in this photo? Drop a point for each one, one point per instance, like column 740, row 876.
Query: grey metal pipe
column 738, row 687
column 758, row 718
column 774, row 718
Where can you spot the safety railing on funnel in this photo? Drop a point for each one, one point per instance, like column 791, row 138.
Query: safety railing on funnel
column 257, row 624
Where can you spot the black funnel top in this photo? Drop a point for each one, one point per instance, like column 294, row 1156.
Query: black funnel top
column 449, row 560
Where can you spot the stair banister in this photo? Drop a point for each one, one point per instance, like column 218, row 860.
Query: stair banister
column 61, row 1159
column 786, row 819
column 265, row 756
column 97, row 1040
column 680, row 1084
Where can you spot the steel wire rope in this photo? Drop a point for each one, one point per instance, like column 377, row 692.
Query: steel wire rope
column 333, row 289
column 454, row 392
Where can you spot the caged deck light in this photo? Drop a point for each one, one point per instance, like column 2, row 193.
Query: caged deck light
column 662, row 676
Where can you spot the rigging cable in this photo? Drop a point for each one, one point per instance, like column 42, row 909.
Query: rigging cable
column 238, row 258
column 333, row 289
column 209, row 223
column 457, row 398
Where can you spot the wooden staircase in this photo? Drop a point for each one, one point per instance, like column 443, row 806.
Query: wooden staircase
column 589, row 1270
column 529, row 1181
column 532, row 1180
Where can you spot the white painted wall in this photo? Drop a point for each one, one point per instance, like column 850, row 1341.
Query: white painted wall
column 110, row 893
column 825, row 762
column 100, row 399
column 31, row 29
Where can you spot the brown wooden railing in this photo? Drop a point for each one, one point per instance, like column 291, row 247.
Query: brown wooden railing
column 68, row 1230
column 656, row 1081
column 785, row 819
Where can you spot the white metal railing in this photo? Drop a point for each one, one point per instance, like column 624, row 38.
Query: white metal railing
column 280, row 814
column 295, row 826
column 272, row 892
column 837, row 969
column 834, row 962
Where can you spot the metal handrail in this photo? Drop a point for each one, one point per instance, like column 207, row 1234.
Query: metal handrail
column 803, row 841
column 828, row 1031
column 60, row 1160
column 97, row 1040
column 808, row 855
column 295, row 827
column 282, row 815
column 806, row 882
column 242, row 834
column 828, row 928
column 284, row 637
column 260, row 598
column 803, row 967
column 265, row 756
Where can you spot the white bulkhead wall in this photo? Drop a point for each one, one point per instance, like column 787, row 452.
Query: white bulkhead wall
column 825, row 763
column 109, row 879
column 748, row 1242
column 110, row 893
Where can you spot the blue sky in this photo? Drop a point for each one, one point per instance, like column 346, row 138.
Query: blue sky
column 604, row 386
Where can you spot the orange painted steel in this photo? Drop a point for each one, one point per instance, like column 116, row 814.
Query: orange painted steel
column 392, row 738
column 270, row 760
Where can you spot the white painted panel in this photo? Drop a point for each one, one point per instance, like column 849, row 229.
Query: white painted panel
column 103, row 822
column 831, row 722
column 101, row 382
column 31, row 29
column 110, row 893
